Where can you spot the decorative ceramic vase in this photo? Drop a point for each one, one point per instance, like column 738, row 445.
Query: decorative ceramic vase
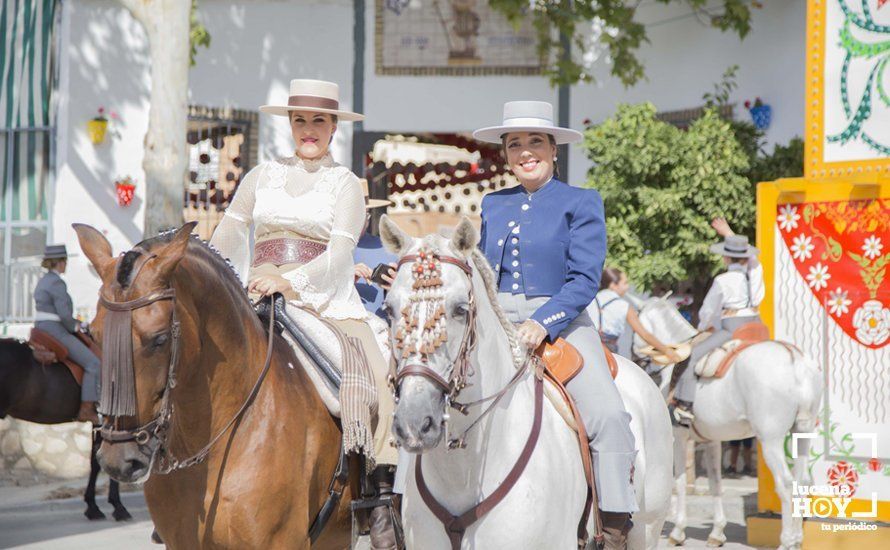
column 761, row 115
column 96, row 129
column 125, row 192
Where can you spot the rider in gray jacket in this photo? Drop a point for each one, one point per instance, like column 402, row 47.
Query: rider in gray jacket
column 55, row 316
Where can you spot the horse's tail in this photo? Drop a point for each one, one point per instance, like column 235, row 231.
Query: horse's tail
column 809, row 390
column 808, row 378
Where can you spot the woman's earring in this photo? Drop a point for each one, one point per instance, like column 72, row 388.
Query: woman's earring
column 555, row 159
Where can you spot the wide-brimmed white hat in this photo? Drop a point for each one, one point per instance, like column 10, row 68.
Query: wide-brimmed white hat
column 317, row 96
column 528, row 116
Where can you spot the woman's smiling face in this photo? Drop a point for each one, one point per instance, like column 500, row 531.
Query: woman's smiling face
column 530, row 157
column 312, row 133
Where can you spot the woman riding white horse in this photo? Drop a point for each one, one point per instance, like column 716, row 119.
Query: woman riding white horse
column 612, row 315
column 456, row 349
column 730, row 303
column 547, row 243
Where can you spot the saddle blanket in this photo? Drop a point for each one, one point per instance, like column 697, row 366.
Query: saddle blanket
column 321, row 334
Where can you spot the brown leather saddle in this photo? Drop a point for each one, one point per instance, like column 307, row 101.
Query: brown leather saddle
column 747, row 335
column 47, row 349
column 565, row 362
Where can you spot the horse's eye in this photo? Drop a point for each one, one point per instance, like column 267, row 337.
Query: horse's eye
column 159, row 340
column 460, row 310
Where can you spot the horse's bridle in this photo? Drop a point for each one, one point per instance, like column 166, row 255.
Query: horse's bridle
column 158, row 427
column 461, row 365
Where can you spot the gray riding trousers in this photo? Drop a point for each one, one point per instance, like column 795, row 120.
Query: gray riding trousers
column 80, row 354
column 599, row 403
column 686, row 385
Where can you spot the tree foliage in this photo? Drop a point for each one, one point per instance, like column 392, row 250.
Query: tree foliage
column 662, row 187
column 198, row 34
column 610, row 25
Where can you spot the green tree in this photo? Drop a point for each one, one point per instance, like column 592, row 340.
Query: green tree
column 662, row 187
column 610, row 26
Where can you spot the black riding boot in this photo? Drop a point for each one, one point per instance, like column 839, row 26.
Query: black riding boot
column 383, row 534
column 616, row 526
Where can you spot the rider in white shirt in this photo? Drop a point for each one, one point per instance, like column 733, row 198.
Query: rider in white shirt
column 731, row 302
column 611, row 314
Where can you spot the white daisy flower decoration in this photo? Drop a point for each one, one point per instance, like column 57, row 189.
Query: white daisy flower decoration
column 872, row 247
column 788, row 217
column 838, row 303
column 818, row 277
column 802, row 247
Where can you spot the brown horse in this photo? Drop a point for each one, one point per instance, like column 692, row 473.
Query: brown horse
column 49, row 394
column 266, row 477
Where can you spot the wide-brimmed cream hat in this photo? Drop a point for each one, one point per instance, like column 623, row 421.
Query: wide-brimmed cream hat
column 684, row 350
column 369, row 202
column 318, row 96
column 528, row 116
column 735, row 246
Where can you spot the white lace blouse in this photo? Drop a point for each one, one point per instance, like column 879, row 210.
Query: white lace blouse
column 319, row 200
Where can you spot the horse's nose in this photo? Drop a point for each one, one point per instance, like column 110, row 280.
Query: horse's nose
column 123, row 462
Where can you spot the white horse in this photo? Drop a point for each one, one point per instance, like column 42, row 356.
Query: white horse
column 767, row 392
column 544, row 507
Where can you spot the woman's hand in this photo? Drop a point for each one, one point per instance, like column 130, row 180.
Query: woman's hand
column 531, row 334
column 362, row 271
column 267, row 285
column 389, row 276
column 722, row 228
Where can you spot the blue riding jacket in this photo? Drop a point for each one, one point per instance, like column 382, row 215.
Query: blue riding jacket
column 548, row 243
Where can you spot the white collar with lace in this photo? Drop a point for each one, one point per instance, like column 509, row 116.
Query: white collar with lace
column 309, row 165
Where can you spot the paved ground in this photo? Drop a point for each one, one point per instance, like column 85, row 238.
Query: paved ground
column 30, row 518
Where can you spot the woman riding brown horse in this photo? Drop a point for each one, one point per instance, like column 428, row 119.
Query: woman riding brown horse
column 197, row 364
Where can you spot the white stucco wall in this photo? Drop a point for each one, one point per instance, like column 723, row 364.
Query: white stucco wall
column 258, row 46
column 685, row 59
column 104, row 62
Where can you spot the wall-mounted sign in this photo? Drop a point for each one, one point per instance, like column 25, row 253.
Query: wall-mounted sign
column 848, row 88
column 451, row 37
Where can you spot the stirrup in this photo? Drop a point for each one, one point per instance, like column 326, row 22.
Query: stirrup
column 365, row 505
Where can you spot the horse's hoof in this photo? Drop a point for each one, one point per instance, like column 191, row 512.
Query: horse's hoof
column 674, row 542
column 714, row 542
column 155, row 537
column 93, row 513
column 121, row 514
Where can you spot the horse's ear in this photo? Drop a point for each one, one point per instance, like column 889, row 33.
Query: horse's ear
column 394, row 239
column 95, row 246
column 170, row 255
column 465, row 237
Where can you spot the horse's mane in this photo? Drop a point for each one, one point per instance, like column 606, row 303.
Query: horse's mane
column 197, row 248
column 481, row 264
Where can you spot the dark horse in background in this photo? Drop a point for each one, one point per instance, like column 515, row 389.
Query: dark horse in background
column 49, row 395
